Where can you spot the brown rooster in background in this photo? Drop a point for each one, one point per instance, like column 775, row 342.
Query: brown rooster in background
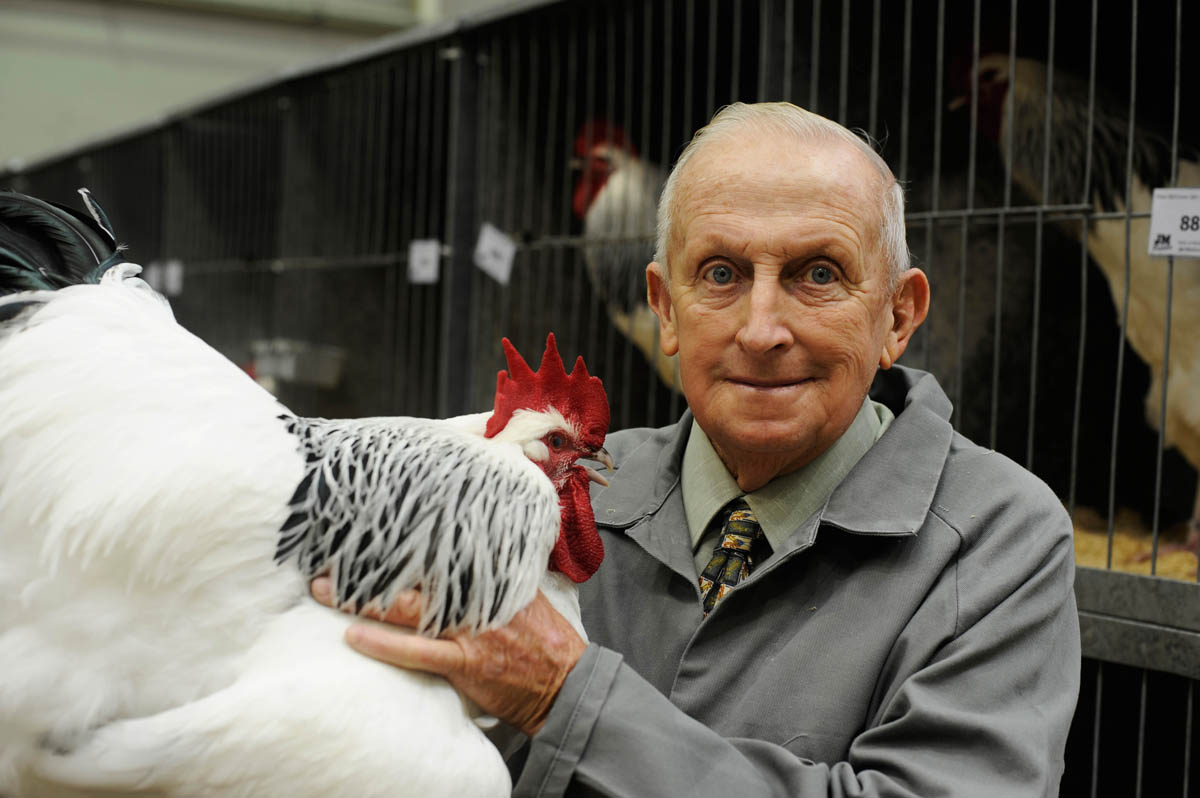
column 617, row 198
column 1013, row 102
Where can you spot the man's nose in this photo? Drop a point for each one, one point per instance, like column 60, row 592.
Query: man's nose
column 765, row 324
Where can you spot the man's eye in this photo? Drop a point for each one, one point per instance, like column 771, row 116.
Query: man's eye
column 822, row 275
column 721, row 275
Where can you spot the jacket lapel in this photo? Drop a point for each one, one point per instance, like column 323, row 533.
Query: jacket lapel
column 645, row 501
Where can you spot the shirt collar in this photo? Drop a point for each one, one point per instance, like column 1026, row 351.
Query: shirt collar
column 785, row 501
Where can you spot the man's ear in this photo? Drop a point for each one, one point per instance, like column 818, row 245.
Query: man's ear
column 910, row 305
column 658, row 295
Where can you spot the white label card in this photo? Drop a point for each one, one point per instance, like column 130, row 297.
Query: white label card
column 424, row 260
column 494, row 253
column 172, row 278
column 1175, row 223
column 152, row 273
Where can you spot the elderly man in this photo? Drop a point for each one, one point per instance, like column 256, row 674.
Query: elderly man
column 807, row 591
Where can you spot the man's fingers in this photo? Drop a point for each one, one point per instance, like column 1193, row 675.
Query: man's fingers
column 404, row 611
column 405, row 650
column 322, row 590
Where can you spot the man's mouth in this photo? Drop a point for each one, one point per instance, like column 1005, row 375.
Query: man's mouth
column 761, row 384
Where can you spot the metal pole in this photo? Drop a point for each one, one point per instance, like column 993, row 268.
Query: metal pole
column 462, row 223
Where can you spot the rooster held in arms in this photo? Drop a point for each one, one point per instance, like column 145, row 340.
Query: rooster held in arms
column 616, row 196
column 161, row 516
column 1022, row 95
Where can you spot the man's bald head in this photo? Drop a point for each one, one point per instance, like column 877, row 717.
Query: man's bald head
column 805, row 128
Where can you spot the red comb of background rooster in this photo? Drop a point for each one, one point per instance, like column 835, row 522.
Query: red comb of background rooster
column 601, row 131
column 578, row 396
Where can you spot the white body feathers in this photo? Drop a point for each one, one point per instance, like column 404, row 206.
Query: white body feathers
column 150, row 642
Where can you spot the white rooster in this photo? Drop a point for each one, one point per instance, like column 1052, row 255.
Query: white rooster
column 161, row 516
column 1022, row 96
column 616, row 196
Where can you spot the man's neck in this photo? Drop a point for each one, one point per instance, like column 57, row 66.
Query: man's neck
column 752, row 470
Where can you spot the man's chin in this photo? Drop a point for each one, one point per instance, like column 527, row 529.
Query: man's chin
column 765, row 435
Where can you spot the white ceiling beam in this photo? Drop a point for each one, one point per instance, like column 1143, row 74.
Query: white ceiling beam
column 357, row 15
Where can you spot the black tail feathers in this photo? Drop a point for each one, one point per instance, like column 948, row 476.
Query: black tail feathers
column 47, row 246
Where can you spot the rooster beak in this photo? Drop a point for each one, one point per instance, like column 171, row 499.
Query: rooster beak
column 596, row 476
column 956, row 103
column 601, row 455
column 576, row 164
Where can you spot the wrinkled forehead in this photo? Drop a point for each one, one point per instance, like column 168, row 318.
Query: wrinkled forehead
column 775, row 173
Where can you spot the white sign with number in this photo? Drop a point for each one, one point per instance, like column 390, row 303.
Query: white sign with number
column 494, row 253
column 1175, row 223
column 424, row 260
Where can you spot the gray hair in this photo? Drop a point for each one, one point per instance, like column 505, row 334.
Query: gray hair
column 782, row 117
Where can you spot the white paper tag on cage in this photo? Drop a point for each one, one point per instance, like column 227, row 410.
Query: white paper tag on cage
column 1175, row 222
column 494, row 253
column 172, row 277
column 152, row 273
column 424, row 260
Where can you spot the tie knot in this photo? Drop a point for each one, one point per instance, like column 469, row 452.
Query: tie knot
column 741, row 528
column 741, row 545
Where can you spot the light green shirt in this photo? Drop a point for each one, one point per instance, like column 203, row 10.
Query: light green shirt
column 785, row 501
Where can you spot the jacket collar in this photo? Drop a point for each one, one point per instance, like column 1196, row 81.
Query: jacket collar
column 645, row 477
column 909, row 457
column 644, row 498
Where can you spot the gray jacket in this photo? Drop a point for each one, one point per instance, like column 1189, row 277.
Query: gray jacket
column 915, row 637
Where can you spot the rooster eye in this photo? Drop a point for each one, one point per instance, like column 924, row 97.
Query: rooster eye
column 556, row 441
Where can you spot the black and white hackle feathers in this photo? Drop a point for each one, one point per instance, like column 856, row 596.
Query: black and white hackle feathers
column 363, row 509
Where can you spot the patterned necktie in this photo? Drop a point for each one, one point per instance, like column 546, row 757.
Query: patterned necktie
column 740, row 546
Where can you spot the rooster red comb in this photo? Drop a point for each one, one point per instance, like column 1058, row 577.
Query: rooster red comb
column 578, row 396
column 601, row 131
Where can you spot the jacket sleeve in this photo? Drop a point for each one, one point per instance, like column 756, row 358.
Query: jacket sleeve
column 986, row 714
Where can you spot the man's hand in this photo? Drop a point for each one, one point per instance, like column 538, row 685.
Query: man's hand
column 513, row 673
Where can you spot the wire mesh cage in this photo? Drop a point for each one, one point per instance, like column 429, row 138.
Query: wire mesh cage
column 1027, row 135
